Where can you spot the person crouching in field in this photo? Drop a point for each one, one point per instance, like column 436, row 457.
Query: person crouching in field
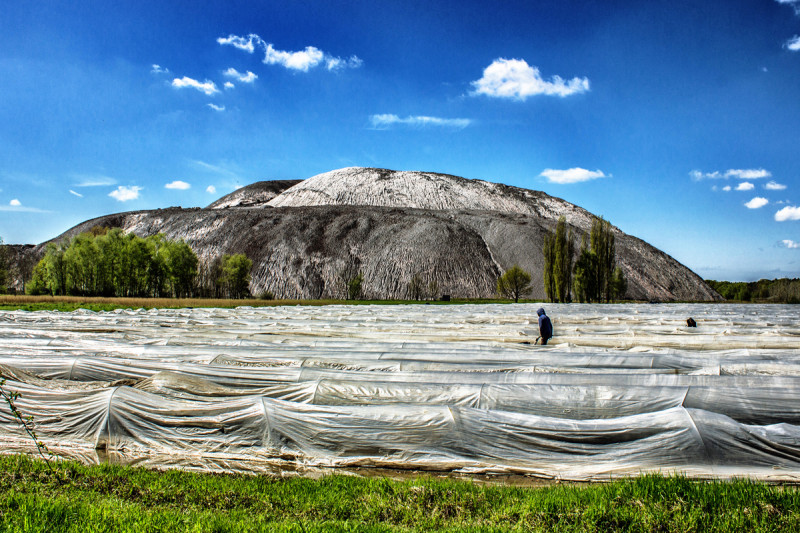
column 545, row 326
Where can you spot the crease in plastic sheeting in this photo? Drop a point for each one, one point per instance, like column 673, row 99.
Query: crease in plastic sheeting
column 72, row 368
column 99, row 442
column 267, row 435
column 709, row 461
column 316, row 390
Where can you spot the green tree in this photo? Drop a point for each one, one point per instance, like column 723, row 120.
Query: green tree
column 38, row 284
column 559, row 251
column 348, row 275
column 596, row 277
column 514, row 284
column 619, row 285
column 602, row 241
column 355, row 287
column 181, row 266
column 584, row 284
column 134, row 267
column 55, row 268
column 82, row 262
column 236, row 275
column 549, row 253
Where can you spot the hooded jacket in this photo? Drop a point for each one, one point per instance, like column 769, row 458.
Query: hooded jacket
column 545, row 326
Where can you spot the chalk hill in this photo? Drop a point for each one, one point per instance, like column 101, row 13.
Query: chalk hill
column 392, row 225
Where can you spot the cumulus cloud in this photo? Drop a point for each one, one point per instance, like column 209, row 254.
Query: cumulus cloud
column 177, row 184
column 774, row 186
column 514, row 78
column 743, row 174
column 244, row 78
column 79, row 195
column 216, row 107
column 745, row 186
column 229, row 85
column 388, row 120
column 124, row 194
column 727, row 188
column 756, row 203
column 302, row 60
column 211, row 189
column 571, row 175
column 208, row 87
column 788, row 243
column 158, row 70
column 793, row 44
column 15, row 203
column 788, row 213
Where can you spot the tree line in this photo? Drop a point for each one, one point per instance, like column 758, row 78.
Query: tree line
column 588, row 274
column 783, row 290
column 109, row 262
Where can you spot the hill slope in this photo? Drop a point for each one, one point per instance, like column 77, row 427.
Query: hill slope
column 459, row 234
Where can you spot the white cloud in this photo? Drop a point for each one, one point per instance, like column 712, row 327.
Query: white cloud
column 244, row 78
column 229, row 85
column 794, row 3
column 774, row 186
column 246, row 44
column 94, row 181
column 727, row 188
column 124, row 194
column 211, row 189
column 79, row 195
column 572, row 175
column 387, row 120
column 793, row 44
column 788, row 213
column 15, row 203
column 514, row 78
column 742, row 174
column 788, row 243
column 208, row 87
column 745, row 186
column 216, row 107
column 158, row 70
column 178, row 184
column 748, row 174
column 334, row 63
column 302, row 60
column 756, row 203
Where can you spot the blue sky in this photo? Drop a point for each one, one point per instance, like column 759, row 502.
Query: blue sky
column 677, row 121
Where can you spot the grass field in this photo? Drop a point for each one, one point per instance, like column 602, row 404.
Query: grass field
column 74, row 497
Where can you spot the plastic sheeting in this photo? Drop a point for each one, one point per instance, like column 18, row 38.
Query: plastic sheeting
column 621, row 389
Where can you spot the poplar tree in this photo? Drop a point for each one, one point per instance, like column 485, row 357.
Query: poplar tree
column 596, row 276
column 558, row 251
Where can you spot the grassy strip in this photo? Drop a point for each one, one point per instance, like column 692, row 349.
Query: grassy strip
column 71, row 303
column 111, row 498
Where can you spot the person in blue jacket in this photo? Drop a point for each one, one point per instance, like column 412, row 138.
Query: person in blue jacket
column 545, row 326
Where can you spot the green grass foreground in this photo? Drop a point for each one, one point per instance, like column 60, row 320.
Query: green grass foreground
column 74, row 497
